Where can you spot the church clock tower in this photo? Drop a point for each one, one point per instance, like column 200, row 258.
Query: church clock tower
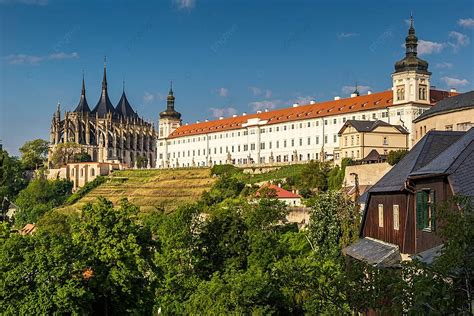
column 411, row 79
column 170, row 119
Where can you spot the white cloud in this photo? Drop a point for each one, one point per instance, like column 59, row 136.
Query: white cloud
column 259, row 91
column 265, row 104
column 468, row 23
column 224, row 112
column 454, row 82
column 428, row 47
column 23, row 59
column 255, row 90
column 302, row 100
column 444, row 65
column 347, row 35
column 350, row 89
column 458, row 40
column 60, row 56
column 184, row 4
column 148, row 97
column 223, row 92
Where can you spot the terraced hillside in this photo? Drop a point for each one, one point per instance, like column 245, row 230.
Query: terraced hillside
column 151, row 189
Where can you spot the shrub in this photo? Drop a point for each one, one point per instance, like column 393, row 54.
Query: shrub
column 225, row 170
column 394, row 156
column 85, row 189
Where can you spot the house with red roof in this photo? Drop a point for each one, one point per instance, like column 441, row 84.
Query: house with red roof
column 277, row 192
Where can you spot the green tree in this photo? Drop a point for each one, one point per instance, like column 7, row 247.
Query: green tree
column 64, row 153
column 82, row 157
column 118, row 253
column 11, row 177
column 39, row 276
column 334, row 223
column 40, row 196
column 34, row 154
column 394, row 156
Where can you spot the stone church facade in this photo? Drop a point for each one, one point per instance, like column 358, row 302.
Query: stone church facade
column 114, row 134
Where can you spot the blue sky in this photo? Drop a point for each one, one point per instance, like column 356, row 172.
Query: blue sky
column 224, row 57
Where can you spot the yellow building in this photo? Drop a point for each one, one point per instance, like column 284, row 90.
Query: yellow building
column 358, row 139
column 451, row 114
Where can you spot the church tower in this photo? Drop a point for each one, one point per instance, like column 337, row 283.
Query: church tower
column 411, row 79
column 170, row 119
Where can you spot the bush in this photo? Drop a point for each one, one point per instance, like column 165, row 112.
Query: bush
column 394, row 156
column 225, row 170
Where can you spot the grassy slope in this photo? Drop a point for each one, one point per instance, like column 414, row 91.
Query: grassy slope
column 151, row 188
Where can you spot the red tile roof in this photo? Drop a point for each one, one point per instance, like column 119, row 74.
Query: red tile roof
column 280, row 193
column 367, row 102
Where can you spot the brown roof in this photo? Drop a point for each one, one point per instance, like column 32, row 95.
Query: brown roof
column 279, row 192
column 368, row 102
column 28, row 229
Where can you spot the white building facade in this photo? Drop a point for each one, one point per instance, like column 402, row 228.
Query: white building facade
column 298, row 133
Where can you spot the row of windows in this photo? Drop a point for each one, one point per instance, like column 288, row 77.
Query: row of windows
column 238, row 148
column 283, row 128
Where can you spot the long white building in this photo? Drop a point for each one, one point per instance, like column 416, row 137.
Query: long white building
column 300, row 132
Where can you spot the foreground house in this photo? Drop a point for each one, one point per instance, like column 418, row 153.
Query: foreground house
column 400, row 214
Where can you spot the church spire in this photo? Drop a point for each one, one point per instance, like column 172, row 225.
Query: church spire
column 104, row 80
column 83, row 92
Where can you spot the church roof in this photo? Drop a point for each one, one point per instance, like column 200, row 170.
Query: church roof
column 82, row 106
column 457, row 103
column 124, row 108
column 369, row 102
column 104, row 105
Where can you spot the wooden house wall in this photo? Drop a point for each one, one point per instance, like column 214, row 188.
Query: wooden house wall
column 429, row 239
column 403, row 237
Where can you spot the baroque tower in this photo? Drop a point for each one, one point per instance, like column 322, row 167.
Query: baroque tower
column 170, row 119
column 411, row 79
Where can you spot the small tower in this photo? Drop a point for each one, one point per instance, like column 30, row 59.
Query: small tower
column 411, row 79
column 170, row 119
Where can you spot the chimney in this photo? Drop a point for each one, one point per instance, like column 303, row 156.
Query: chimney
column 369, row 92
column 234, row 115
column 258, row 112
column 266, row 110
column 312, row 102
column 221, row 117
column 295, row 105
column 206, row 120
column 244, row 114
column 187, row 124
column 353, row 95
column 337, row 98
column 197, row 122
column 453, row 90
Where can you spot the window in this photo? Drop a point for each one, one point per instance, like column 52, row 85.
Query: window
column 400, row 93
column 317, row 140
column 465, row 126
column 374, row 115
column 385, row 141
column 284, row 143
column 292, row 143
column 422, row 92
column 325, row 122
column 301, row 141
column 396, row 217
column 325, row 139
column 309, row 140
column 380, row 215
column 425, row 210
column 335, row 138
column 449, row 127
column 357, row 140
column 262, row 145
column 352, row 140
column 345, row 140
column 252, row 146
column 334, row 121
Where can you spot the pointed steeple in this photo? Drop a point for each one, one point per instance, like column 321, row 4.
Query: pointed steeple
column 356, row 91
column 411, row 61
column 104, row 105
column 123, row 108
column 82, row 106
